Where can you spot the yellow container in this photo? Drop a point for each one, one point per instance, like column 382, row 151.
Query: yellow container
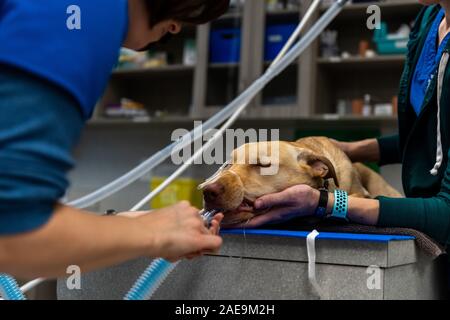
column 179, row 190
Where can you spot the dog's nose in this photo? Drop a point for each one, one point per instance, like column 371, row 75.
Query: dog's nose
column 212, row 192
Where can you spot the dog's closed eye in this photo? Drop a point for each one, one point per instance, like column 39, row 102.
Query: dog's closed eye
column 262, row 165
column 264, row 162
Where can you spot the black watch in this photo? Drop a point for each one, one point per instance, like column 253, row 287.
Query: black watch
column 321, row 210
column 111, row 212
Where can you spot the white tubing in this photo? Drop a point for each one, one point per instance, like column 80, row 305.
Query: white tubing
column 165, row 153
column 191, row 160
column 217, row 119
column 271, row 73
column 32, row 284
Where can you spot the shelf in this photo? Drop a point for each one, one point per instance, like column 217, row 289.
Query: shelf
column 324, row 118
column 282, row 12
column 238, row 14
column 388, row 5
column 267, row 64
column 336, row 117
column 131, row 122
column 223, row 65
column 382, row 62
column 152, row 71
column 247, row 120
column 388, row 9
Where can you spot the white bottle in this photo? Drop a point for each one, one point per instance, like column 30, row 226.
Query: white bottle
column 367, row 108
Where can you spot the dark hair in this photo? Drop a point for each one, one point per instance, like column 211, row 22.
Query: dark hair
column 186, row 11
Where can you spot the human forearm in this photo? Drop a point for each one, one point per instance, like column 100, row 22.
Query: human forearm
column 361, row 151
column 73, row 237
column 430, row 215
column 361, row 211
column 302, row 200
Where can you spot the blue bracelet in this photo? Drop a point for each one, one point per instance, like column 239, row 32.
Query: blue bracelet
column 340, row 208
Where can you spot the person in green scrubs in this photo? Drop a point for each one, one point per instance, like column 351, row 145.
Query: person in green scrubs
column 421, row 145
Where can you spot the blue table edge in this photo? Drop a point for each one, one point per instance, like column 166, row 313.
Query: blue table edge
column 322, row 235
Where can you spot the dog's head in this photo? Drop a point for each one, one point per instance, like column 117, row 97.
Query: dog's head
column 258, row 169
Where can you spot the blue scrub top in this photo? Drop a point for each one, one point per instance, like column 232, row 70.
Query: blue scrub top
column 39, row 126
column 51, row 77
column 427, row 65
column 34, row 36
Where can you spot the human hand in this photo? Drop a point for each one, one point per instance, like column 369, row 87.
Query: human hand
column 297, row 201
column 213, row 230
column 360, row 151
column 347, row 147
column 179, row 232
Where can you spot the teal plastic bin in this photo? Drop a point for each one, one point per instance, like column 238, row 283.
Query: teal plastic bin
column 389, row 44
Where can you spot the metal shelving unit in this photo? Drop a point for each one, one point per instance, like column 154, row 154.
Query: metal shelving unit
column 352, row 78
column 315, row 83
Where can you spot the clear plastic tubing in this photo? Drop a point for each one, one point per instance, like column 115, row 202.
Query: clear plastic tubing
column 158, row 271
column 217, row 119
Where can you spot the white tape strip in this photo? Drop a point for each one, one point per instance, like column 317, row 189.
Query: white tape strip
column 311, row 249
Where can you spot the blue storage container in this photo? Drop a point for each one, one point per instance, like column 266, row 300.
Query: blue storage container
column 225, row 45
column 276, row 38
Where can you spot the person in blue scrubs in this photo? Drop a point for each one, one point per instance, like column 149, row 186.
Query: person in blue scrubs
column 55, row 60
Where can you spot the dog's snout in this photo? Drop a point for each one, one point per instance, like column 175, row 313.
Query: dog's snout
column 213, row 191
column 225, row 193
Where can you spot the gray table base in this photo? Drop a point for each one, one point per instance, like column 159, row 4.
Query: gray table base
column 261, row 267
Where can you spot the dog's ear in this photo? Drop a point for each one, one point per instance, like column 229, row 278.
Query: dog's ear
column 322, row 167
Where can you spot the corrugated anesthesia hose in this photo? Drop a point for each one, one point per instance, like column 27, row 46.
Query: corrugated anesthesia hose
column 9, row 289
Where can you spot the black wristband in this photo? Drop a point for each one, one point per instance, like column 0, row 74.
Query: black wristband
column 321, row 210
column 110, row 212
